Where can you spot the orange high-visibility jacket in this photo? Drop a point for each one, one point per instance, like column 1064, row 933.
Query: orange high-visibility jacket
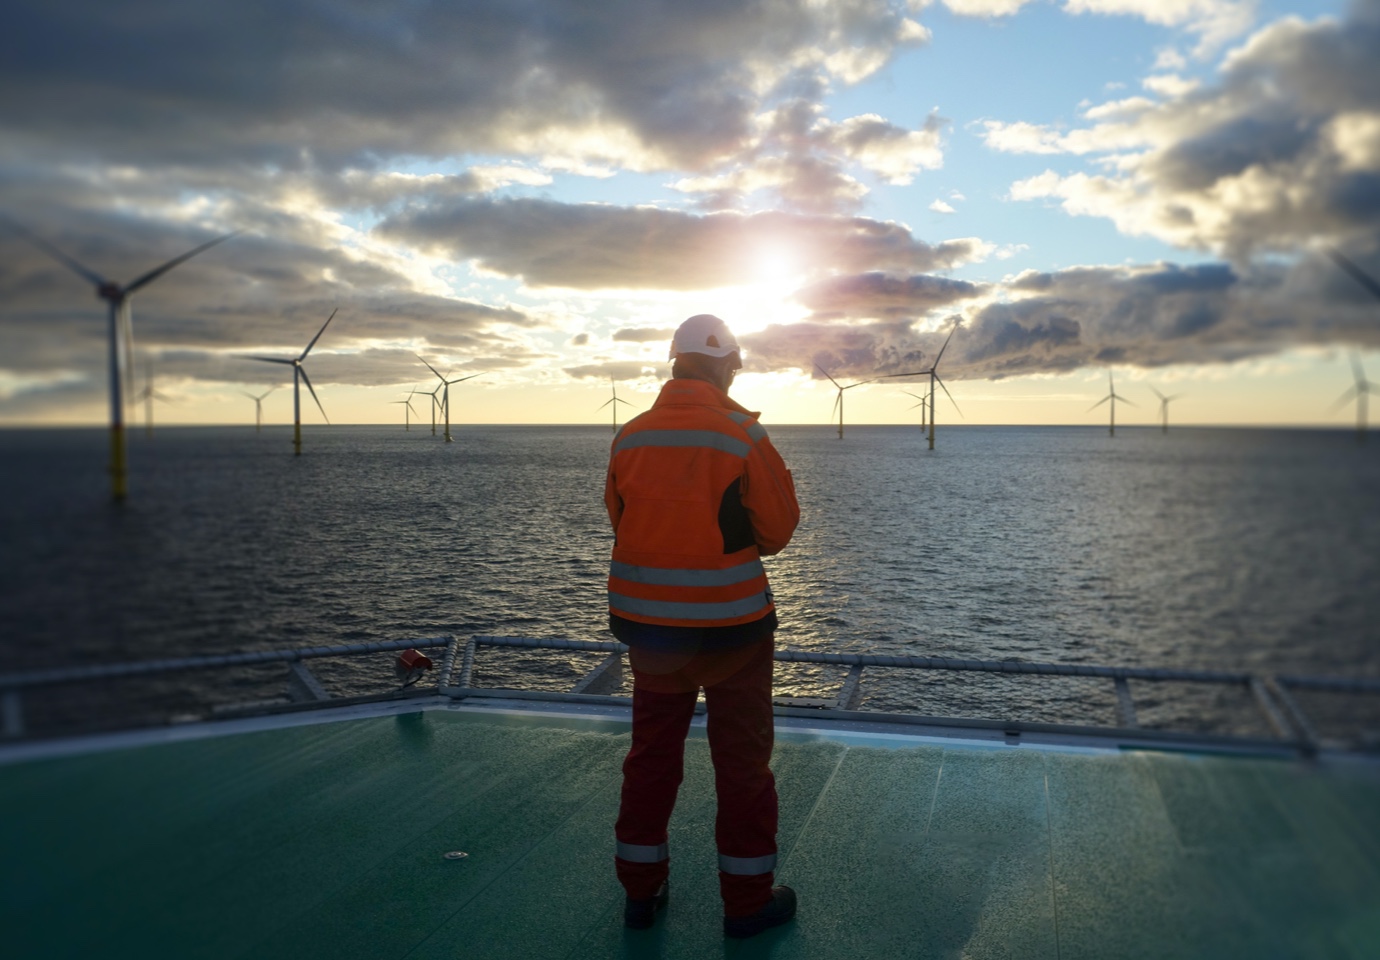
column 697, row 496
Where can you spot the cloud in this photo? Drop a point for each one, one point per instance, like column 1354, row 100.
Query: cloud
column 1283, row 151
column 939, row 206
column 620, row 370
column 1158, row 314
column 1150, row 315
column 1214, row 21
column 880, row 296
column 295, row 83
column 253, row 293
column 643, row 334
column 808, row 162
column 596, row 246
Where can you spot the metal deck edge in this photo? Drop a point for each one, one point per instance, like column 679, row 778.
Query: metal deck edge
column 880, row 729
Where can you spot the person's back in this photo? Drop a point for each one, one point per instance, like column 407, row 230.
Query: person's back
column 697, row 495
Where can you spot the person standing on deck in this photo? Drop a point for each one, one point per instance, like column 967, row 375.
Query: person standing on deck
column 697, row 496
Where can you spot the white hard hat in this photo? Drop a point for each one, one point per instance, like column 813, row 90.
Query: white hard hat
column 704, row 333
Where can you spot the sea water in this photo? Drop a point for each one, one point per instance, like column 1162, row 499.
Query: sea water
column 1237, row 549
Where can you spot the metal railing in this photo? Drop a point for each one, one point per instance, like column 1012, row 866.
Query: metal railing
column 1272, row 695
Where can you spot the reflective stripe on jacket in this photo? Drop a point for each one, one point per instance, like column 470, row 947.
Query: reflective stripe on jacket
column 697, row 495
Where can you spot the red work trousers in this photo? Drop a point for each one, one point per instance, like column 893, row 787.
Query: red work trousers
column 737, row 693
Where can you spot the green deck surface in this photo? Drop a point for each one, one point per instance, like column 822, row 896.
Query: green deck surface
column 327, row 841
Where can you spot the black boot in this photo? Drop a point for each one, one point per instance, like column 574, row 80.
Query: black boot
column 780, row 910
column 641, row 914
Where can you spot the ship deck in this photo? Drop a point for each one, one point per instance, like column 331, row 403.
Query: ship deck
column 328, row 840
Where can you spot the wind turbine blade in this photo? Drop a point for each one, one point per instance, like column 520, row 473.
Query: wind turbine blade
column 431, row 368
column 75, row 266
column 837, row 400
column 245, row 356
column 1346, row 398
column 318, row 334
column 947, row 393
column 912, row 373
column 463, row 379
column 157, row 272
column 943, row 348
column 313, row 394
column 1356, row 370
column 826, row 373
column 860, row 383
column 1158, row 394
column 1357, row 274
column 411, row 407
column 605, row 404
column 1124, row 400
column 1099, row 403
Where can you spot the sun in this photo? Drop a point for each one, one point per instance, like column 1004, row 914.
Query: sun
column 767, row 298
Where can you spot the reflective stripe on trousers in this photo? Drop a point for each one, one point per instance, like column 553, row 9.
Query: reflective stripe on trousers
column 642, row 853
column 747, row 866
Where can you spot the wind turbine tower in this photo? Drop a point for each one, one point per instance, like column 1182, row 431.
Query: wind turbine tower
column 299, row 374
column 614, row 402
column 1361, row 391
column 121, row 338
column 838, row 401
column 148, row 395
column 1362, row 388
column 923, row 404
column 445, row 396
column 259, row 407
column 1164, row 408
column 407, row 406
column 1113, row 396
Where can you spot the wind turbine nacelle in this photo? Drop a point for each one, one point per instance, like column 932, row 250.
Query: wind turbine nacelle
column 411, row 665
column 110, row 291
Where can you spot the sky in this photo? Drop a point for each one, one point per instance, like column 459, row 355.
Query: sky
column 534, row 195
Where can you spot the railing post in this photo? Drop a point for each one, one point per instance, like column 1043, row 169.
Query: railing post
column 302, row 683
column 467, row 664
column 1125, row 706
column 1295, row 712
column 850, row 693
column 603, row 679
column 1267, row 706
column 12, row 707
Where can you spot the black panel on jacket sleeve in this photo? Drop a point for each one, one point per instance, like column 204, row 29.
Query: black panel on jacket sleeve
column 734, row 524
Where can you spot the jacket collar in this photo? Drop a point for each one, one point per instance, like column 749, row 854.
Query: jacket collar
column 685, row 390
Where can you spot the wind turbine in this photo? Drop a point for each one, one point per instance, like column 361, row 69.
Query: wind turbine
column 1362, row 388
column 922, row 405
column 407, row 405
column 1164, row 408
column 1361, row 391
column 1113, row 396
column 445, row 398
column 148, row 395
column 838, row 401
column 121, row 337
column 614, row 402
column 933, row 374
column 300, row 374
column 435, row 402
column 259, row 406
